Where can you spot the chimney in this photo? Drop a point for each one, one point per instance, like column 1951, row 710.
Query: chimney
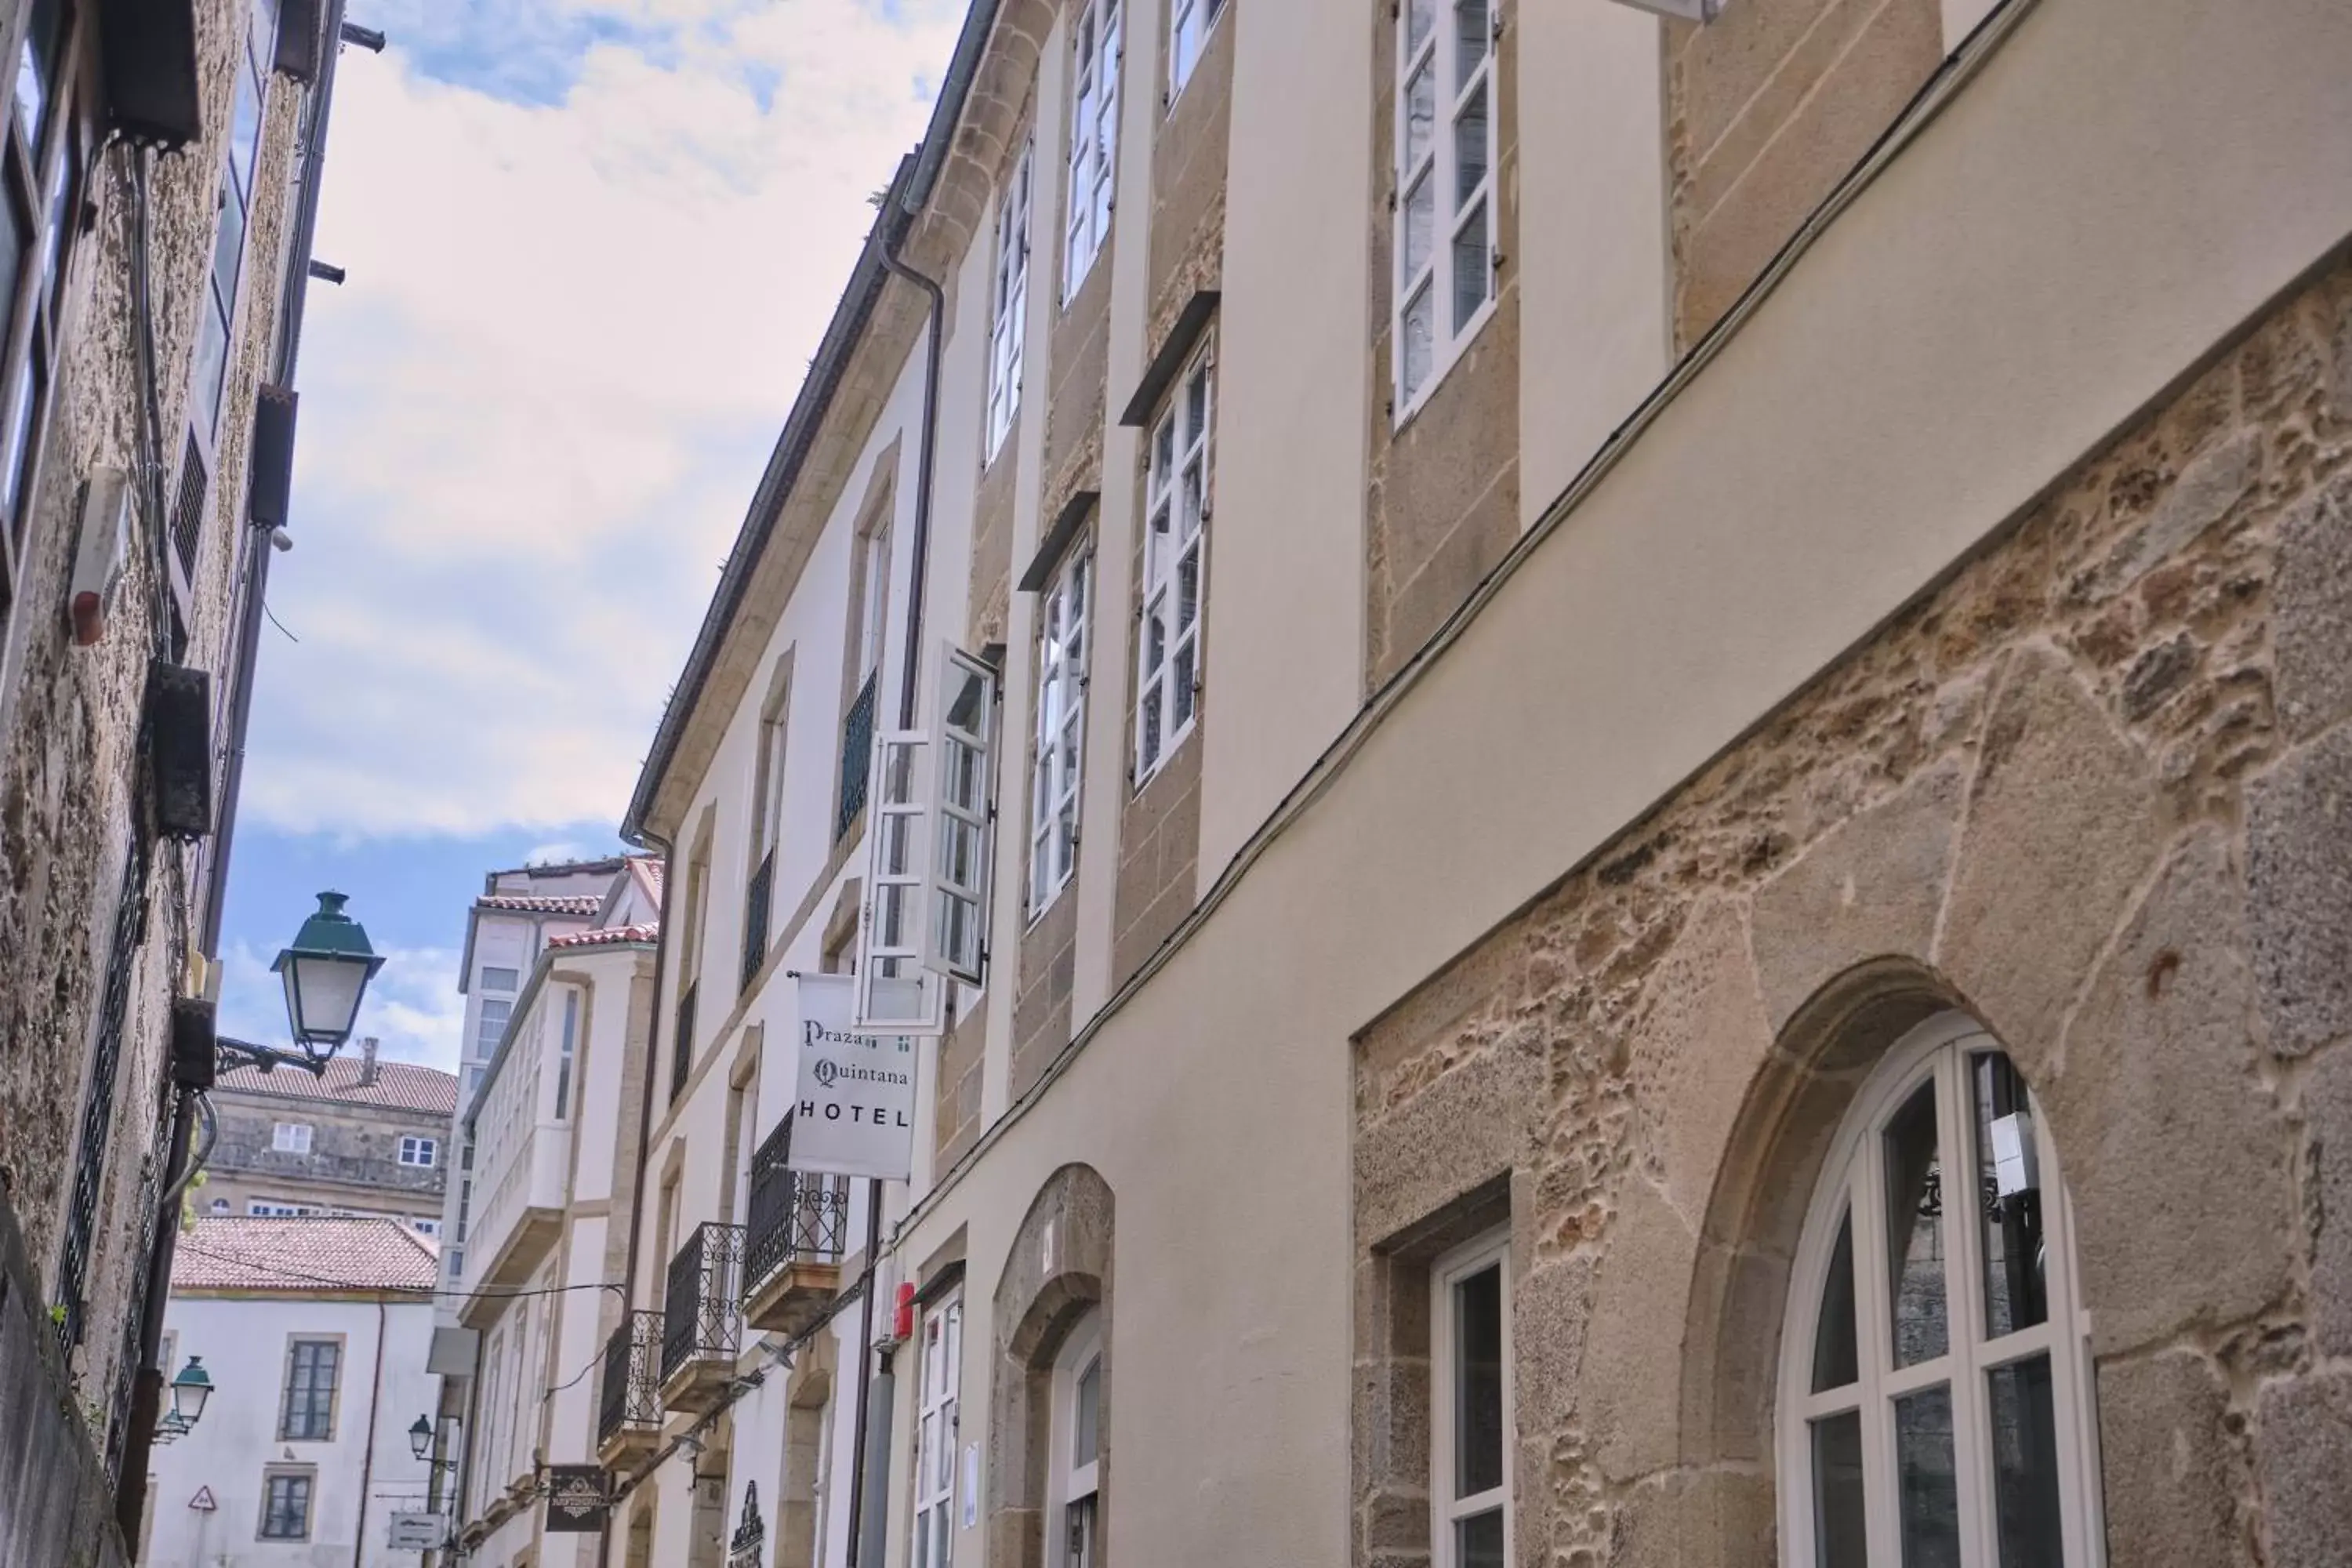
column 367, row 1061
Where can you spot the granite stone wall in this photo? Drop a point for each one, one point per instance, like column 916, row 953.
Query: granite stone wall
column 2096, row 789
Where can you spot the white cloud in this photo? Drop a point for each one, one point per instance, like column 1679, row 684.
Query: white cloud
column 412, row 1006
column 533, row 417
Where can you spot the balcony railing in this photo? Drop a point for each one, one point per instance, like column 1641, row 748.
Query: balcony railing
column 681, row 1051
column 857, row 754
column 702, row 1316
column 756, row 898
column 795, row 1217
column 631, row 1388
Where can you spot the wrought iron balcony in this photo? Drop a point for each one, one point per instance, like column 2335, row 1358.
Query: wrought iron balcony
column 702, row 1317
column 857, row 754
column 631, row 1406
column 756, row 898
column 799, row 1223
column 681, row 1049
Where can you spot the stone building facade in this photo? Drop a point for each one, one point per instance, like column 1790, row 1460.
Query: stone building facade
column 366, row 1138
column 161, row 195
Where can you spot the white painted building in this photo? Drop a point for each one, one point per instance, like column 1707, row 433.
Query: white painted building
column 314, row 1333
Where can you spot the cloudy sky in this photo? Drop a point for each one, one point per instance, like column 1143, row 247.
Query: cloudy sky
column 592, row 245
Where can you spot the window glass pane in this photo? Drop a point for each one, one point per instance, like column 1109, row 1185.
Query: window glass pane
column 244, row 132
column 1086, row 1437
column 1927, row 1508
column 1478, row 1540
column 1471, row 32
column 1420, row 16
column 1420, row 225
column 1835, row 1358
column 1187, row 590
column 34, row 67
column 2025, row 1464
column 1416, row 350
column 1915, row 1250
column 497, row 979
column 1478, row 1382
column 1839, row 1539
column 212, row 359
column 19, row 439
column 1470, row 266
column 228, row 246
column 1470, row 147
column 1420, row 115
column 1181, row 679
column 2016, row 1293
column 1149, row 745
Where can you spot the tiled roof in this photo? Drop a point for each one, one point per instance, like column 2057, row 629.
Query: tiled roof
column 649, row 870
column 404, row 1085
column 606, row 936
column 303, row 1255
column 542, row 904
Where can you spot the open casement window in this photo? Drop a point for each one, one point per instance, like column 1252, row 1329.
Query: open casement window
column 896, row 995
column 1178, row 492
column 936, row 1433
column 1189, row 22
column 1935, row 1402
column 1445, row 241
column 1061, row 715
column 956, row 928
column 1094, row 140
column 1008, row 313
column 1470, row 1407
column 1072, row 1524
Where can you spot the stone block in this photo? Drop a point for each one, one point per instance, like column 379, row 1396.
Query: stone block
column 1469, row 1127
column 2311, row 611
column 1629, row 1386
column 1701, row 1039
column 2204, row 493
column 2299, row 878
column 2063, row 828
column 2327, row 1120
column 1871, row 886
column 2170, row 1493
column 1549, row 1310
column 2157, row 1112
column 1710, row 1519
column 2303, row 1459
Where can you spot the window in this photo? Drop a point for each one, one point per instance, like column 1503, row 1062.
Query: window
column 1009, row 310
column 474, row 1079
column 228, row 242
column 1935, row 1394
column 1445, row 190
column 1470, row 1407
column 564, row 1050
column 1094, row 140
column 936, row 1433
column 1072, row 1503
column 1054, row 764
column 491, row 1026
column 497, row 979
column 425, row 1151
column 311, row 1366
column 767, row 781
column 426, row 1226
column 264, row 1209
column 220, row 1206
column 873, row 598
column 456, row 1264
column 291, row 1138
column 1168, row 679
column 960, row 771
column 286, row 1505
column 1189, row 22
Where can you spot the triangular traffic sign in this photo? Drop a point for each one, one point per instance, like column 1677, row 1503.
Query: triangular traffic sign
column 203, row 1501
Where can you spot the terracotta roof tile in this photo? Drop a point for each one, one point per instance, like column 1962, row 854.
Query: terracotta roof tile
column 607, row 936
column 543, row 903
column 406, row 1085
column 303, row 1255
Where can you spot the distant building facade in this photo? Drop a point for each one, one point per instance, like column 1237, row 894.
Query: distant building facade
column 314, row 1333
column 370, row 1137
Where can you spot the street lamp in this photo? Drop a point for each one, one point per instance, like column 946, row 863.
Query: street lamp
column 189, row 1392
column 325, row 973
column 420, row 1443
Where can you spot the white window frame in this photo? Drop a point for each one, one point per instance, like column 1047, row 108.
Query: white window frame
column 1190, row 23
column 291, row 1138
column 1853, row 1179
column 874, row 600
column 428, row 1151
column 567, row 1053
column 1175, row 528
column 486, row 1037
column 768, row 767
column 938, row 1432
column 1440, row 164
column 425, row 1226
column 1067, row 1480
column 1492, row 1251
column 1008, row 318
column 1058, row 730
column 962, row 767
column 506, row 986
column 1088, row 196
column 270, row 1208
column 309, row 1476
column 896, row 993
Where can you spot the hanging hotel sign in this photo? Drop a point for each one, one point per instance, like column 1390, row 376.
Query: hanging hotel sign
column 575, row 1499
column 855, row 1112
column 750, row 1531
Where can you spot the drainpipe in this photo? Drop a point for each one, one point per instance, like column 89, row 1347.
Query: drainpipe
column 367, row 1458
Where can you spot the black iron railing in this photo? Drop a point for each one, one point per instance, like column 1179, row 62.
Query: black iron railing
column 795, row 1217
column 702, row 1314
column 856, row 755
column 632, row 1387
column 681, row 1048
column 756, row 898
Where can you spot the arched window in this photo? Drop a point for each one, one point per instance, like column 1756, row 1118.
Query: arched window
column 1935, row 1402
column 1076, row 1450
